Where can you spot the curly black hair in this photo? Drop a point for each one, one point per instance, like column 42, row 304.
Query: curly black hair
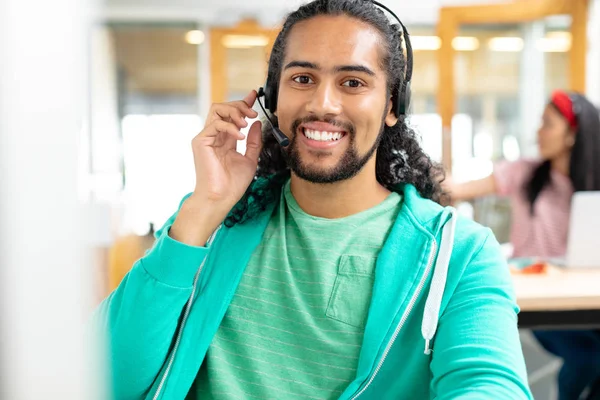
column 400, row 158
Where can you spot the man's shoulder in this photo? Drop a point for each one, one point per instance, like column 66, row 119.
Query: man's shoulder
column 431, row 216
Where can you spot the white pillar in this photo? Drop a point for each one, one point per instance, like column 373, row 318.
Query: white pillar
column 489, row 117
column 204, row 73
column 43, row 286
column 593, row 56
column 531, row 87
column 105, row 123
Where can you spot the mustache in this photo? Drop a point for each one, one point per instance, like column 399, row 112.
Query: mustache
column 346, row 126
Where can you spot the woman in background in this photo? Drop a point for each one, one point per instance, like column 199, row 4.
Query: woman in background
column 540, row 193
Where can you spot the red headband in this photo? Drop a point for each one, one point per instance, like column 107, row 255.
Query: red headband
column 563, row 102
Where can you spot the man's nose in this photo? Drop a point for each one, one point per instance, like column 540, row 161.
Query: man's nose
column 325, row 101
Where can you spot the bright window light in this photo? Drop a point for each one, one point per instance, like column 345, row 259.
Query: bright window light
column 429, row 129
column 506, row 44
column 159, row 167
column 421, row 43
column 195, row 37
column 465, row 43
column 510, row 148
column 483, row 145
column 244, row 41
column 462, row 137
column 432, row 43
column 555, row 42
column 471, row 169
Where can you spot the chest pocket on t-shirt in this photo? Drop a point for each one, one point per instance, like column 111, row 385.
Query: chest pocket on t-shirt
column 351, row 294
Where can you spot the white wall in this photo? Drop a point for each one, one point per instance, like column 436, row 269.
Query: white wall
column 106, row 157
column 269, row 12
column 43, row 286
column 593, row 58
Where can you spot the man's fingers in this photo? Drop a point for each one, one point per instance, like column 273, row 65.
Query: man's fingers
column 245, row 108
column 222, row 127
column 245, row 105
column 254, row 143
column 229, row 113
column 250, row 98
column 234, row 111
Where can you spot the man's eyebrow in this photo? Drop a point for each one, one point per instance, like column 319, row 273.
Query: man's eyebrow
column 301, row 64
column 355, row 68
column 341, row 68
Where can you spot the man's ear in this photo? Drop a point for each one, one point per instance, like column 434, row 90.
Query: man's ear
column 390, row 118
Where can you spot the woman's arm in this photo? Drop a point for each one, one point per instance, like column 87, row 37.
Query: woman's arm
column 470, row 190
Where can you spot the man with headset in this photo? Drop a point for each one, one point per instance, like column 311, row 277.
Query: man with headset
column 317, row 265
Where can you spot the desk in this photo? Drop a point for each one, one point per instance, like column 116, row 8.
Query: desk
column 560, row 298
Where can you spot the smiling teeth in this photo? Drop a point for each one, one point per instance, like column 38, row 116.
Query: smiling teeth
column 322, row 136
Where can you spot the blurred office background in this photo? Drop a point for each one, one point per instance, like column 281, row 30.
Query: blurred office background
column 99, row 103
column 155, row 69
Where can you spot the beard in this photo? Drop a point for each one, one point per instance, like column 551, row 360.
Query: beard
column 350, row 164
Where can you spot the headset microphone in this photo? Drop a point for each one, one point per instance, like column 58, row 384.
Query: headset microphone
column 279, row 135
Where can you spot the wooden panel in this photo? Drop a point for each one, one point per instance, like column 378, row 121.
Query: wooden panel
column 218, row 56
column 516, row 11
column 578, row 56
column 123, row 254
column 447, row 30
column 218, row 67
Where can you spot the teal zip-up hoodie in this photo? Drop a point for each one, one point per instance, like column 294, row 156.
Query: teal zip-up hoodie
column 442, row 322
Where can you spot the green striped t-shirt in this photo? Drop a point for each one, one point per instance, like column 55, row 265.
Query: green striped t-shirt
column 295, row 326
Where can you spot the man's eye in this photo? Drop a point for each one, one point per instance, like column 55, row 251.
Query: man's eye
column 353, row 83
column 302, row 79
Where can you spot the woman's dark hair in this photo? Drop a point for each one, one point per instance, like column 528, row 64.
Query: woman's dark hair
column 400, row 158
column 584, row 166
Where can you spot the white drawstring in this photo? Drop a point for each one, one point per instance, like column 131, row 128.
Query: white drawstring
column 438, row 282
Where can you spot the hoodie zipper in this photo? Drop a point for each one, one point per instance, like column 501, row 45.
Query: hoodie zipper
column 188, row 307
column 411, row 304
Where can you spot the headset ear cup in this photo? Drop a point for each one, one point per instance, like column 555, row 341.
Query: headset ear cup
column 270, row 92
column 403, row 100
column 407, row 97
column 271, row 97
